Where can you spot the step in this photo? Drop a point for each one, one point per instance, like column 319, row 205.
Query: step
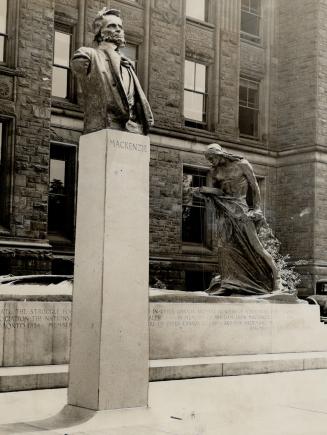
column 33, row 377
column 186, row 368
column 56, row 376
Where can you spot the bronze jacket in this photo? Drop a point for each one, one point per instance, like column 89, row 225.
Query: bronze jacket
column 105, row 99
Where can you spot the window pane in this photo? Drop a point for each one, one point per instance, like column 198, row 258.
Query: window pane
column 193, row 106
column 200, row 78
column 61, row 190
column 130, row 51
column 62, row 49
column 250, row 23
column 243, row 95
column 57, row 175
column 189, row 75
column 193, row 224
column 248, row 121
column 2, row 48
column 198, row 180
column 59, row 82
column 56, row 213
column 195, row 9
column 3, row 16
column 253, row 100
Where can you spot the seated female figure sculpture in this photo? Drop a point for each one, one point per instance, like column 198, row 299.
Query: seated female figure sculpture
column 246, row 268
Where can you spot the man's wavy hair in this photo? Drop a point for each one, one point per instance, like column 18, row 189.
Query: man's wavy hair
column 99, row 22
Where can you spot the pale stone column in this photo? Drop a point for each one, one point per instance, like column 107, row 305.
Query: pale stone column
column 227, row 66
column 110, row 342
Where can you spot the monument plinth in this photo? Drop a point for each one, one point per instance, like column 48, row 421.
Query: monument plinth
column 110, row 339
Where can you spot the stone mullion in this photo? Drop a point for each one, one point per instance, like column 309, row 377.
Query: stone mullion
column 146, row 53
column 81, row 23
column 227, row 66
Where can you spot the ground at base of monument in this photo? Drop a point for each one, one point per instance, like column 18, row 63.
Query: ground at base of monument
column 281, row 403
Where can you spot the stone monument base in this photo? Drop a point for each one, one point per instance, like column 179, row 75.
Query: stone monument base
column 109, row 339
column 241, row 327
column 193, row 335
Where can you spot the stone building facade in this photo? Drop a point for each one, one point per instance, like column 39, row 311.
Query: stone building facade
column 249, row 74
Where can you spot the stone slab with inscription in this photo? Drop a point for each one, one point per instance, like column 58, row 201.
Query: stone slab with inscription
column 200, row 329
column 110, row 338
column 34, row 333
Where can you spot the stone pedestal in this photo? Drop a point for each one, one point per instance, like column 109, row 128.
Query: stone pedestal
column 110, row 339
column 204, row 329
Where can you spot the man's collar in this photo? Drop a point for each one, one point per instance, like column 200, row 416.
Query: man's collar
column 110, row 46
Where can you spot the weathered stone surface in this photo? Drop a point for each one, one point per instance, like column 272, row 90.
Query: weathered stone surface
column 109, row 353
column 184, row 330
column 34, row 333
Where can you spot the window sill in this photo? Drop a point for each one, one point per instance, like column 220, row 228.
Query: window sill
column 191, row 248
column 200, row 23
column 134, row 3
column 62, row 103
column 66, row 108
column 194, row 125
column 249, row 139
column 258, row 44
column 6, row 70
column 189, row 133
column 58, row 239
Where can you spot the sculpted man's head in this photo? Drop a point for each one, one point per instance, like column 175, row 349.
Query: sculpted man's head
column 108, row 27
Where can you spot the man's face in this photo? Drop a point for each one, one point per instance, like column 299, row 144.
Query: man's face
column 112, row 30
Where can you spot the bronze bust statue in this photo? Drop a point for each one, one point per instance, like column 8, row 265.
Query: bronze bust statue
column 113, row 97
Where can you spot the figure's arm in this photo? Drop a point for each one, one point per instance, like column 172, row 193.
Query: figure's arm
column 248, row 172
column 81, row 62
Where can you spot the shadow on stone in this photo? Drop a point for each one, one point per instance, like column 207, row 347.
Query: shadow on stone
column 69, row 416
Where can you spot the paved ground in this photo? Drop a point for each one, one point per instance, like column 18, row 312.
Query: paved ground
column 293, row 403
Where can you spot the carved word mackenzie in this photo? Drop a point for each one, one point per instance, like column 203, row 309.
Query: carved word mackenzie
column 128, row 146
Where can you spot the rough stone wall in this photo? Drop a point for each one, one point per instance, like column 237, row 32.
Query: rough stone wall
column 67, row 9
column 295, row 199
column 322, row 75
column 166, row 60
column 133, row 19
column 295, row 102
column 165, row 201
column 33, row 104
column 252, row 60
column 228, row 84
column 199, row 42
column 320, row 218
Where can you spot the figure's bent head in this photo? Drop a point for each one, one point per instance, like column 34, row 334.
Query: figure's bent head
column 216, row 155
column 108, row 27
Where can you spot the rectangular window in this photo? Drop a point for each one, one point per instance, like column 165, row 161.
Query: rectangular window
column 196, row 9
column 194, row 210
column 195, row 96
column 250, row 20
column 5, row 171
column 3, row 29
column 61, row 75
column 62, row 191
column 131, row 51
column 249, row 107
